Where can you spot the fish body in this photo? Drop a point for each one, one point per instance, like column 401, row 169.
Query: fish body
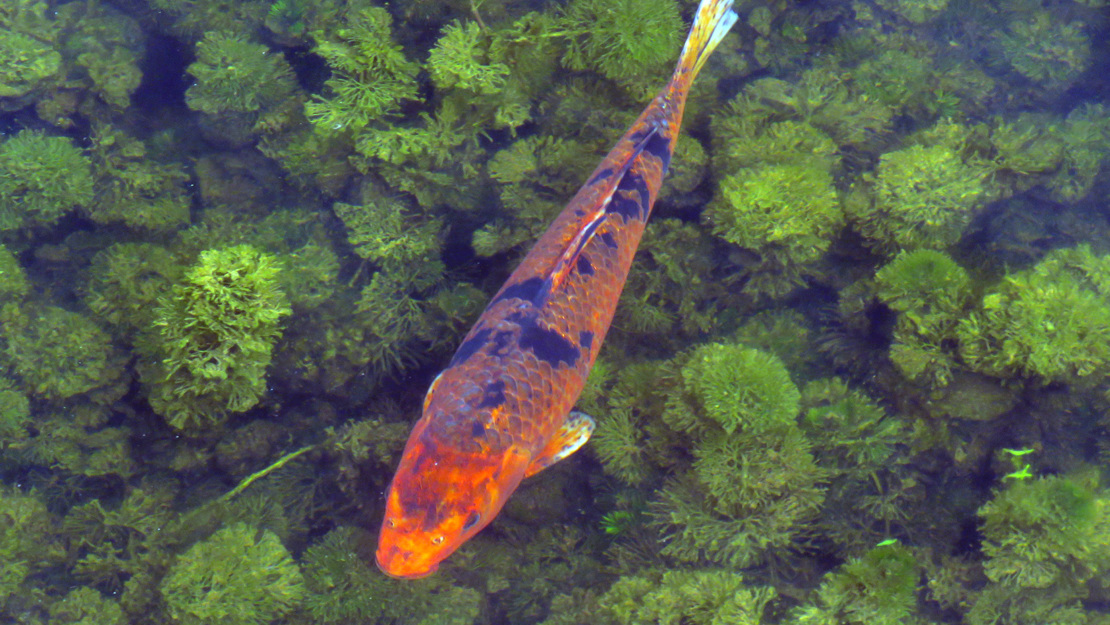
column 501, row 410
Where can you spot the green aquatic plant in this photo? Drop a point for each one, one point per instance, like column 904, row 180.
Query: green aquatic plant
column 28, row 540
column 383, row 232
column 288, row 17
column 919, row 196
column 1051, row 321
column 915, row 11
column 787, row 214
column 930, row 292
column 217, row 330
column 370, row 74
column 86, row 606
column 1044, row 48
column 310, row 275
column 138, row 189
column 878, row 588
column 624, row 40
column 1046, row 532
column 666, row 293
column 860, row 447
column 41, row 179
column 690, row 597
column 15, row 414
column 235, row 76
column 1025, row 150
column 109, row 541
column 13, row 281
column 753, row 481
column 1045, row 550
column 729, row 388
column 239, row 575
column 630, row 440
column 56, row 353
column 126, row 280
column 26, row 63
column 459, row 60
column 1086, row 137
column 344, row 589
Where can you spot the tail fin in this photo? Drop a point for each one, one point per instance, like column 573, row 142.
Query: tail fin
column 712, row 23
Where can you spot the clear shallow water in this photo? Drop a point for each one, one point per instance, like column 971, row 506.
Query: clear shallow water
column 863, row 297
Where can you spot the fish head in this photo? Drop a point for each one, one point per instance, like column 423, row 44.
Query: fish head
column 441, row 497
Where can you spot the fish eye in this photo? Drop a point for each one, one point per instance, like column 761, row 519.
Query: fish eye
column 391, row 523
column 438, row 540
column 472, row 520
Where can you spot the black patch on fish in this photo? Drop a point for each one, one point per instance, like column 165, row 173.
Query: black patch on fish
column 624, row 201
column 548, row 345
column 477, row 429
column 605, row 173
column 470, row 347
column 526, row 290
column 586, row 339
column 494, row 396
column 607, row 239
column 659, row 147
column 585, row 267
column 502, row 341
column 472, row 520
column 625, row 207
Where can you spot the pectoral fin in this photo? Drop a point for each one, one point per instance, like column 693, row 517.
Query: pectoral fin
column 574, row 433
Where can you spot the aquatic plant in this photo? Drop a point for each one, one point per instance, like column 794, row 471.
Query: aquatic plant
column 383, row 232
column 1086, row 137
column 459, row 61
column 238, row 77
column 28, row 541
column 915, row 11
column 86, row 606
column 13, row 281
column 41, row 179
column 666, row 292
column 1045, row 49
column 217, row 330
column 126, row 280
column 28, row 59
column 930, row 292
column 136, row 187
column 787, row 214
column 239, row 575
column 56, row 353
column 1051, row 321
column 370, row 74
column 693, row 597
column 343, row 588
column 860, row 447
column 919, row 196
column 1045, row 550
column 623, row 40
column 878, row 588
column 730, row 388
column 753, row 481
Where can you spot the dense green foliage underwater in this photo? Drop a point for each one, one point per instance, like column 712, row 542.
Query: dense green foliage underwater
column 859, row 373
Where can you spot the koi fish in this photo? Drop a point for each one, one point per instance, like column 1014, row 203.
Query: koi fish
column 501, row 410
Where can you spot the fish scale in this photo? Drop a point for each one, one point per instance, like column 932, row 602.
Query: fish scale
column 501, row 410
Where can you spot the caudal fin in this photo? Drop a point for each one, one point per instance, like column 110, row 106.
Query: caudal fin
column 712, row 23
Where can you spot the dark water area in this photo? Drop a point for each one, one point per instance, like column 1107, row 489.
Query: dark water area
column 858, row 372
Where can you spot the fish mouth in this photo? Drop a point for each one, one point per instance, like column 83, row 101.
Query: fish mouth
column 398, row 567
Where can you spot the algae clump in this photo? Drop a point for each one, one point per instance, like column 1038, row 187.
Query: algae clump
column 240, row 575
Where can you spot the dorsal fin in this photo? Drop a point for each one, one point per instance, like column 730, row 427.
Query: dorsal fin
column 591, row 221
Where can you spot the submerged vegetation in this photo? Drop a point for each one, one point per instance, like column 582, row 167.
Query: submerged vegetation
column 859, row 373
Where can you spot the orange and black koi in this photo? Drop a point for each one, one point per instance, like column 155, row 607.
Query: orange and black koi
column 501, row 410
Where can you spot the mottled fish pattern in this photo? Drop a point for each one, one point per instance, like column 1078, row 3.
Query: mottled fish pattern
column 501, row 410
